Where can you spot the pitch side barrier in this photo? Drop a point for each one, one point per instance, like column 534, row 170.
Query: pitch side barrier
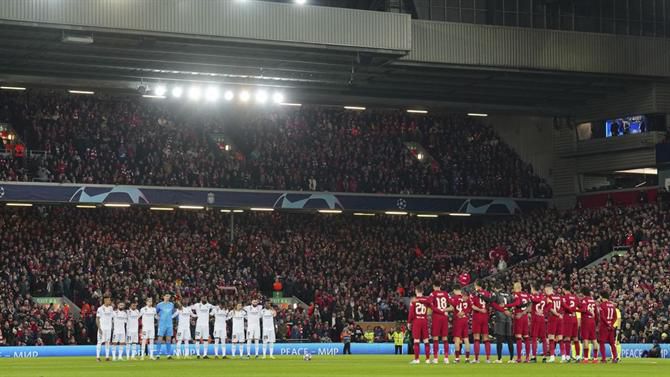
column 284, row 349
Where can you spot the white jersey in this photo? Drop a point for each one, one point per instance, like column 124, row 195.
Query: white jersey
column 238, row 320
column 202, row 312
column 120, row 320
column 133, row 324
column 221, row 315
column 268, row 316
column 148, row 317
column 253, row 316
column 184, row 321
column 105, row 314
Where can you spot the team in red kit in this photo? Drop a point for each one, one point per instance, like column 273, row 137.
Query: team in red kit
column 543, row 316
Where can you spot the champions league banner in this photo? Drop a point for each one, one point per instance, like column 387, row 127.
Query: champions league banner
column 290, row 349
column 290, row 200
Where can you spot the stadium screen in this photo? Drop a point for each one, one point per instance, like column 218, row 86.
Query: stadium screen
column 626, row 126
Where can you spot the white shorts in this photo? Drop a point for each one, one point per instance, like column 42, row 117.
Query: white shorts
column 253, row 333
column 184, row 334
column 132, row 337
column 220, row 333
column 149, row 333
column 237, row 337
column 104, row 335
column 202, row 332
column 269, row 336
column 119, row 337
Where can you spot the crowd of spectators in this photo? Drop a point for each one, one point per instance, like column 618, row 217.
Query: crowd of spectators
column 125, row 140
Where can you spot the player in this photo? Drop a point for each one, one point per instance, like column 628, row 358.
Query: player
column 165, row 310
column 503, row 322
column 221, row 316
column 132, row 331
column 554, row 321
column 268, row 318
column 184, row 315
column 148, row 315
column 607, row 316
column 417, row 321
column 103, row 320
column 588, row 326
column 538, row 322
column 120, row 318
column 570, row 324
column 237, row 336
column 521, row 305
column 440, row 322
column 460, row 301
column 480, row 321
column 202, row 310
column 253, row 325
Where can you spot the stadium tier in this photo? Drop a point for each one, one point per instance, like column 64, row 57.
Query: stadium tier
column 130, row 140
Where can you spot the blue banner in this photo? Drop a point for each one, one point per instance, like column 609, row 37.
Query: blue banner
column 289, row 349
column 292, row 200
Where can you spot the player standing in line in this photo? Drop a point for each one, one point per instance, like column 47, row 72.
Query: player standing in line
column 588, row 325
column 268, row 316
column 521, row 305
column 417, row 321
column 132, row 333
column 148, row 314
column 480, row 321
column 103, row 320
column 119, row 335
column 440, row 322
column 503, row 322
column 221, row 317
column 555, row 321
column 460, row 301
column 570, row 324
column 538, row 322
column 165, row 310
column 184, row 315
column 253, row 325
column 202, row 310
column 607, row 316
column 237, row 336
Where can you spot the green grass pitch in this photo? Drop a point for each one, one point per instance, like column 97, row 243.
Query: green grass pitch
column 349, row 366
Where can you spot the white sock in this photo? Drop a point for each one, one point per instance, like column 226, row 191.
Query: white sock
column 143, row 348
column 256, row 346
column 223, row 347
column 114, row 351
column 128, row 345
column 177, row 348
column 121, row 347
column 206, row 348
column 151, row 347
column 248, row 347
column 107, row 350
column 234, row 348
column 265, row 348
column 216, row 347
column 272, row 349
column 98, row 347
column 241, row 350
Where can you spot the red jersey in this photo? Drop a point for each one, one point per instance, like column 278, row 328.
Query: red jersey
column 418, row 309
column 607, row 314
column 440, row 301
column 569, row 304
column 539, row 308
column 588, row 308
column 461, row 306
column 555, row 302
column 481, row 304
column 520, row 303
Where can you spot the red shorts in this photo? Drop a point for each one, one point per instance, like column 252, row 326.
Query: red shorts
column 440, row 326
column 521, row 326
column 570, row 327
column 480, row 326
column 420, row 329
column 460, row 329
column 554, row 326
column 605, row 335
column 538, row 328
column 588, row 330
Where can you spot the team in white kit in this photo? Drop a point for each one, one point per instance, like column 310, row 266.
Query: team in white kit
column 118, row 329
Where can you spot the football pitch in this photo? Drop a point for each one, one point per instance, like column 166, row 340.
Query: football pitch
column 349, row 366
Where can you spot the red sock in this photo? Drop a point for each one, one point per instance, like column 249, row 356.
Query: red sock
column 615, row 354
column 552, row 347
column 602, row 352
column 436, row 348
column 476, row 349
column 568, row 348
column 595, row 352
column 545, row 347
column 446, row 349
column 457, row 352
column 534, row 345
column 487, row 349
column 416, row 351
column 577, row 349
column 467, row 353
column 518, row 348
column 427, row 345
column 528, row 352
column 562, row 346
column 585, row 354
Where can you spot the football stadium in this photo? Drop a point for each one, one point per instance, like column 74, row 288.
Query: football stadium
column 334, row 187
